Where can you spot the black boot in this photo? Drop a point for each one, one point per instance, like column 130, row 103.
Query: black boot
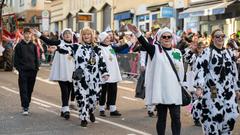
column 92, row 117
column 84, row 123
column 115, row 113
column 197, row 123
column 65, row 115
column 150, row 114
column 102, row 113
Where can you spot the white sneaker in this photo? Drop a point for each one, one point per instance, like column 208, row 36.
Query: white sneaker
column 25, row 113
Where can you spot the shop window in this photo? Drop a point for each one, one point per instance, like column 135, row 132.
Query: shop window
column 34, row 3
column 237, row 27
column 21, row 3
column 204, row 28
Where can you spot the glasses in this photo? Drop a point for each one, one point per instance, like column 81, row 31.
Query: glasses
column 218, row 36
column 166, row 37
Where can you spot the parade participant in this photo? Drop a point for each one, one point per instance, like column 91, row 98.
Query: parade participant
column 216, row 79
column 90, row 71
column 62, row 68
column 89, row 60
column 88, row 57
column 110, row 87
column 162, row 86
column 27, row 64
column 192, row 52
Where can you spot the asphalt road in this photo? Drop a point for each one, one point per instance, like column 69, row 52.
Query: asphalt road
column 44, row 118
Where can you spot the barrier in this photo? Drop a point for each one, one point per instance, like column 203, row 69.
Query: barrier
column 129, row 64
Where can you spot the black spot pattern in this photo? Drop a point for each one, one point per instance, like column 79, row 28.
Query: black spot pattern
column 223, row 110
column 88, row 87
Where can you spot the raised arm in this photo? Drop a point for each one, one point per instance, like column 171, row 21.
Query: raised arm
column 46, row 40
column 149, row 48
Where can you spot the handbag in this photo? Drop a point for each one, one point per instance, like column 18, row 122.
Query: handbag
column 186, row 97
column 140, row 88
column 77, row 74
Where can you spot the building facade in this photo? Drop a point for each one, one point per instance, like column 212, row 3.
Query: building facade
column 207, row 15
column 116, row 13
column 28, row 12
column 66, row 14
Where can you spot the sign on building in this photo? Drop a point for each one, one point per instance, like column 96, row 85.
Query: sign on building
column 85, row 17
column 45, row 20
column 166, row 12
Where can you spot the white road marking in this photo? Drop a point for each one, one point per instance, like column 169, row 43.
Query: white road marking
column 126, row 88
column 48, row 110
column 133, row 99
column 127, row 82
column 46, row 81
column 75, row 115
column 43, row 105
column 40, row 79
column 8, row 89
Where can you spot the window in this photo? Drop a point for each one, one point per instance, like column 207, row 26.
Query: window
column 21, row 3
column 11, row 3
column 34, row 3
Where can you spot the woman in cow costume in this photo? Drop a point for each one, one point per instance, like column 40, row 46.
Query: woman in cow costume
column 216, row 80
column 88, row 57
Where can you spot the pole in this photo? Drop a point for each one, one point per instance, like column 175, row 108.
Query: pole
column 113, row 10
column 1, row 29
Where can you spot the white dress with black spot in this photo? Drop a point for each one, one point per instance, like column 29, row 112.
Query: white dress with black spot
column 220, row 110
column 87, row 89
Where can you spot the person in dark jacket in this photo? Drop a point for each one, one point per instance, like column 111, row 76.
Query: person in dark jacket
column 27, row 64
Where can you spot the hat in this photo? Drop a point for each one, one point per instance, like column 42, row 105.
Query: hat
column 155, row 27
column 65, row 30
column 102, row 36
column 26, row 29
column 108, row 29
column 162, row 31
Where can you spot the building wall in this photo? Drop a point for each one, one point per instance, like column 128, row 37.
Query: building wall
column 85, row 6
column 8, row 9
column 137, row 7
column 59, row 10
column 23, row 5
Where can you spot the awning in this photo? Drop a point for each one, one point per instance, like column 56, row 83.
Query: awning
column 205, row 10
column 123, row 15
column 157, row 7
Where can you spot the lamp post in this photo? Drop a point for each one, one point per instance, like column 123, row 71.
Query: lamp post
column 1, row 8
column 113, row 10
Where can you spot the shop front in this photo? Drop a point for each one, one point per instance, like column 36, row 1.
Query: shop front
column 211, row 15
column 143, row 22
column 123, row 18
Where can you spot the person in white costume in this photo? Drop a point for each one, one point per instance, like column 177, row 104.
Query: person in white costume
column 110, row 87
column 162, row 86
column 62, row 67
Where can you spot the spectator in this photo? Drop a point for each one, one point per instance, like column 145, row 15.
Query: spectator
column 27, row 64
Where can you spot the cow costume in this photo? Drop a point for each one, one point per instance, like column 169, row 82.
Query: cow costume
column 89, row 58
column 216, row 68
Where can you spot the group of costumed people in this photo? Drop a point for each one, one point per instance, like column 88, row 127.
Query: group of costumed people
column 215, row 80
column 96, row 67
column 98, row 72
